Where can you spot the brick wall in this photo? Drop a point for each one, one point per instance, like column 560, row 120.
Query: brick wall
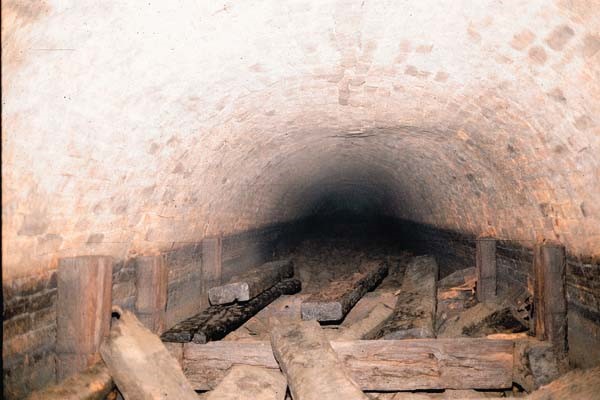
column 29, row 333
column 583, row 294
column 514, row 260
column 123, row 289
column 514, row 266
column 185, row 282
column 29, row 317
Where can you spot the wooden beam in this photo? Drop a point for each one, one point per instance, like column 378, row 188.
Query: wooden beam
column 367, row 317
column 379, row 365
column 83, row 311
column 212, row 262
column 312, row 368
column 334, row 302
column 414, row 314
column 485, row 256
column 245, row 382
column 151, row 283
column 549, row 296
column 251, row 283
column 139, row 363
column 536, row 363
column 216, row 322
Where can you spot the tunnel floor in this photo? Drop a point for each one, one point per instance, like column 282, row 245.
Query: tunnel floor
column 322, row 261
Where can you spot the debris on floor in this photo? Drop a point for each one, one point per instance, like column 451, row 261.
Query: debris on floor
column 255, row 341
column 140, row 364
column 414, row 314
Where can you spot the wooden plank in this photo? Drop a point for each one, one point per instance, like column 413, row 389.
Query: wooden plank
column 378, row 365
column 334, row 302
column 151, row 282
column 536, row 363
column 212, row 262
column 143, row 369
column 538, row 294
column 485, row 257
column 455, row 293
column 286, row 307
column 414, row 314
column 216, row 322
column 245, row 382
column 367, row 317
column 251, row 283
column 550, row 305
column 83, row 311
column 312, row 368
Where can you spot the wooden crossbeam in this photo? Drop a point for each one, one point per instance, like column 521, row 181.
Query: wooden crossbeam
column 414, row 313
column 379, row 365
column 251, row 283
column 216, row 322
column 336, row 300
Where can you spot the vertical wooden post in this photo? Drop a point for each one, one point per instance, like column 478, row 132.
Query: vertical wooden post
column 485, row 254
column 212, row 253
column 550, row 302
column 152, row 282
column 83, row 311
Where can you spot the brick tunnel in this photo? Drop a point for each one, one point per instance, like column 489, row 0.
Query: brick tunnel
column 210, row 138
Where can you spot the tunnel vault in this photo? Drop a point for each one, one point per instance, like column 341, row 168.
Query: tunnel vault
column 140, row 129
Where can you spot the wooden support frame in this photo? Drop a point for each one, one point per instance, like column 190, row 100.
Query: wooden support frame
column 152, row 284
column 485, row 256
column 380, row 365
column 83, row 311
column 550, row 303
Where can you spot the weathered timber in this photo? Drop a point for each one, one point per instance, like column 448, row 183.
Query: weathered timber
column 217, row 321
column 176, row 350
column 92, row 384
column 455, row 327
column 537, row 363
column 455, row 293
column 212, row 262
column 379, row 365
column 500, row 321
column 251, row 283
column 286, row 307
column 312, row 368
column 83, row 311
column 151, row 284
column 414, row 314
column 368, row 316
column 334, row 302
column 245, row 382
column 549, row 296
column 139, row 363
column 577, row 384
column 445, row 395
column 485, row 256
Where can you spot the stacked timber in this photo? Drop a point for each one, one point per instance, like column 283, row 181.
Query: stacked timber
column 246, row 382
column 455, row 293
column 311, row 366
column 336, row 300
column 217, row 321
column 375, row 365
column 251, row 283
column 140, row 364
column 414, row 314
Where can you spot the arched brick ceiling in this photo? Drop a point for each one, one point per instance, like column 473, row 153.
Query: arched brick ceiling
column 131, row 127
